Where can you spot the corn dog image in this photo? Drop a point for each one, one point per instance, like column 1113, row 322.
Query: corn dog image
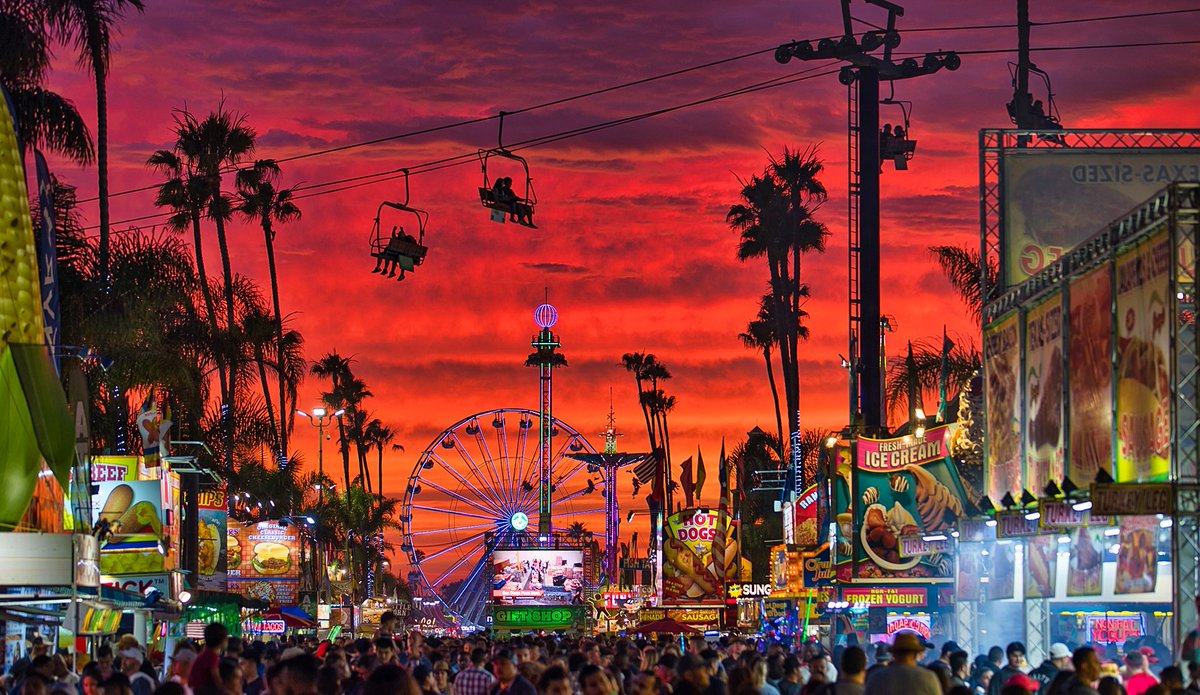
column 685, row 561
column 117, row 504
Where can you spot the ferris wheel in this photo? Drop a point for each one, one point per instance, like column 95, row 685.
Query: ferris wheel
column 479, row 477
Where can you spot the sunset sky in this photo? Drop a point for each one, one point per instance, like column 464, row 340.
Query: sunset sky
column 632, row 241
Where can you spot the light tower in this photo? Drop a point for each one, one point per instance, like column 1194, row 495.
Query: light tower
column 545, row 357
column 611, row 462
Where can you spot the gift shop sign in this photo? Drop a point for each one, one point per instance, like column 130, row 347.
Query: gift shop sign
column 887, row 597
column 1105, row 629
column 882, row 455
column 1132, row 499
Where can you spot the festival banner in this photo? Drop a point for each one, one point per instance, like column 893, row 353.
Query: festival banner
column 264, row 561
column 970, row 569
column 898, row 487
column 1085, row 569
column 1000, row 570
column 1041, row 566
column 1137, row 559
column 1055, row 199
column 1090, row 378
column 1001, row 366
column 1143, row 361
column 689, row 569
column 214, row 562
column 1044, row 393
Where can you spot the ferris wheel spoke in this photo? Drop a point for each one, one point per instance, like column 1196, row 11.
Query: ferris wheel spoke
column 470, row 465
column 502, row 446
column 460, row 498
column 472, row 580
column 433, row 532
column 580, row 512
column 474, row 538
column 450, row 513
column 491, row 502
column 490, row 471
column 455, row 566
column 486, row 453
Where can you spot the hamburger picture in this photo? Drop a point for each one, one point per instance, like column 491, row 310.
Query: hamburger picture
column 271, row 559
column 233, row 551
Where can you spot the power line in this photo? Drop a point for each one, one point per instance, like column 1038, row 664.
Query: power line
column 673, row 73
column 1046, row 49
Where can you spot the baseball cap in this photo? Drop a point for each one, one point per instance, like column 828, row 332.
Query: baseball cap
column 1025, row 682
column 950, row 647
column 1148, row 652
column 1058, row 650
column 133, row 653
column 184, row 656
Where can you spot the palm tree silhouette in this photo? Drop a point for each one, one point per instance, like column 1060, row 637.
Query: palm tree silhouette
column 261, row 201
column 88, row 25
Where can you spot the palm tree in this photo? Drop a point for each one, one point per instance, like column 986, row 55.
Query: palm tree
column 380, row 436
column 260, row 200
column 647, row 372
column 775, row 219
column 760, row 335
column 88, row 25
column 578, row 531
column 46, row 119
column 962, row 267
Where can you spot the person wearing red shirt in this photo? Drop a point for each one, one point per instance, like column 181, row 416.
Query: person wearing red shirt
column 1138, row 679
column 205, row 678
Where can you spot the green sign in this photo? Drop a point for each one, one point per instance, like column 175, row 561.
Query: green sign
column 537, row 617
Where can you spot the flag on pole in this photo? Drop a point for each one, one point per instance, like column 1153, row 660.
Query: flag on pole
column 644, row 471
column 944, row 381
column 699, row 475
column 685, row 481
column 153, row 428
column 914, row 387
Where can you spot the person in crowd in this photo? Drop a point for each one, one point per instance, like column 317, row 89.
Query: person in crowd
column 791, row 683
column 328, row 682
column 1193, row 678
column 694, row 676
column 948, row 648
column 1015, row 655
column 475, row 680
column 250, row 661
column 204, row 678
column 387, row 625
column 441, row 677
column 1138, row 678
column 385, row 650
column 594, row 680
column 1087, row 672
column 424, row 678
column 1171, row 678
column 904, row 676
column 181, row 667
column 231, row 676
column 297, row 676
column 1110, row 685
column 555, row 681
column 960, row 668
column 852, row 676
column 131, row 666
column 1057, row 660
column 390, row 680
column 509, row 681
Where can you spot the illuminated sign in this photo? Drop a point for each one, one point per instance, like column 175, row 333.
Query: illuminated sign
column 818, row 568
column 1114, row 630
column 1132, row 499
column 887, row 597
column 1015, row 525
column 776, row 609
column 536, row 617
column 265, row 627
column 917, row 546
column 139, row 584
column 694, row 616
column 747, row 591
column 920, row 624
column 895, row 454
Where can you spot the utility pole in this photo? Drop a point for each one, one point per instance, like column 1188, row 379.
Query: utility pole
column 864, row 72
column 1024, row 111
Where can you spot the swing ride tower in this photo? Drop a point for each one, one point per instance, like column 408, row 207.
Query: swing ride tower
column 545, row 357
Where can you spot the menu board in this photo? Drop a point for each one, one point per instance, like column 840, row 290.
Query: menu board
column 264, row 561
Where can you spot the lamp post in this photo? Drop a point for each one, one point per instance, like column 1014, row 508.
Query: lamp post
column 319, row 419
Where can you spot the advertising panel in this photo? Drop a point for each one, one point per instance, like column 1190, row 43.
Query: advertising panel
column 264, row 561
column 211, row 546
column 133, row 513
column 689, row 570
column 1090, row 377
column 1143, row 361
column 1055, row 199
column 1000, row 570
column 970, row 569
column 538, row 577
column 1044, row 393
column 1086, row 565
column 899, row 487
column 887, row 597
column 107, row 469
column 1041, row 566
column 1137, row 559
column 1001, row 366
column 1115, row 629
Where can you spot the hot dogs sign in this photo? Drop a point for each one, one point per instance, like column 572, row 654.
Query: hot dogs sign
column 689, row 570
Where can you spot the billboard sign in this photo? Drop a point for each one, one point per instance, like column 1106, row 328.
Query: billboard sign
column 1143, row 359
column 1055, row 199
column 688, row 566
column 538, row 577
column 537, row 618
column 1041, row 566
column 214, row 519
column 264, row 561
column 1044, row 393
column 133, row 512
column 899, row 487
column 1137, row 558
column 1089, row 380
column 1002, row 396
column 1085, row 569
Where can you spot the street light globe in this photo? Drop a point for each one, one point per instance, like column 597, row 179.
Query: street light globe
column 318, row 412
column 545, row 316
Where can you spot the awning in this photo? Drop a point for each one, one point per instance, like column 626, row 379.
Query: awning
column 296, row 618
column 117, row 598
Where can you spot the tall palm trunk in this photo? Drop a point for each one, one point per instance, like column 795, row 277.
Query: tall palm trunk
column 261, row 358
column 283, row 414
column 774, row 396
column 227, row 269
column 210, row 307
column 344, row 445
column 381, row 469
column 98, row 71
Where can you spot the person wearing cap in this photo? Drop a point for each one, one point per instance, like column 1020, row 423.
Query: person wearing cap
column 1138, row 678
column 475, row 680
column 948, row 648
column 1015, row 652
column 441, row 677
column 693, row 676
column 1057, row 660
column 1024, row 683
column 131, row 666
column 904, row 676
column 181, row 667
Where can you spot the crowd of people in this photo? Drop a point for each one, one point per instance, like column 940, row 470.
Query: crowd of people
column 409, row 664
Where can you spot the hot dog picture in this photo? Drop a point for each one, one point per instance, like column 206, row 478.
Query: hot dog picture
column 132, row 511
